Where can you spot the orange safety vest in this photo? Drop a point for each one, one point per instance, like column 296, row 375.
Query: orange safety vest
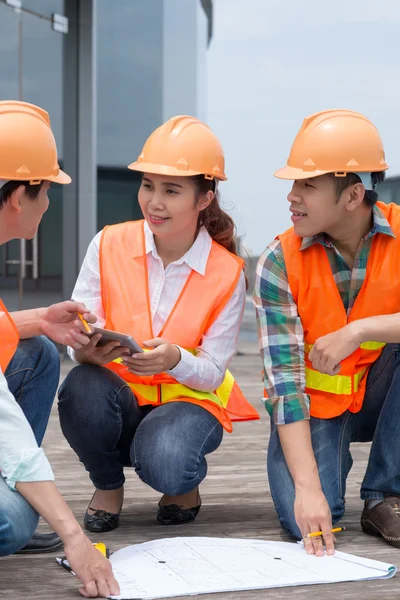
column 126, row 303
column 9, row 337
column 321, row 311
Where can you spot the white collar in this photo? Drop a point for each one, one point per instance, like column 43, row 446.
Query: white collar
column 196, row 257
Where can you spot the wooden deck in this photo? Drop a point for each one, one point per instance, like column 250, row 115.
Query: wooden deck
column 236, row 503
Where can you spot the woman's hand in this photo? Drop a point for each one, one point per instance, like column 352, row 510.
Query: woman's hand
column 100, row 355
column 164, row 357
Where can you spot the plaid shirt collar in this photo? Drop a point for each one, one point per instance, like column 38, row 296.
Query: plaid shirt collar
column 380, row 225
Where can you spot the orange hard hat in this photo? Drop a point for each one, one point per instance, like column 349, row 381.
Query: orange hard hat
column 334, row 141
column 183, row 146
column 28, row 149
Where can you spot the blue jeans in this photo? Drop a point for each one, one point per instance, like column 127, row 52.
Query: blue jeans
column 108, row 430
column 378, row 421
column 32, row 376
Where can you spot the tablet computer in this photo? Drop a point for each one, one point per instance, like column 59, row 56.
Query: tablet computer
column 107, row 335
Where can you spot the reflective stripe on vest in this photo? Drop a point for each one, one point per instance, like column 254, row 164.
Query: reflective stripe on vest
column 334, row 384
column 170, row 391
column 337, row 384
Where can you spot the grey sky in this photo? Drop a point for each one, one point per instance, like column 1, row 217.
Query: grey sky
column 273, row 62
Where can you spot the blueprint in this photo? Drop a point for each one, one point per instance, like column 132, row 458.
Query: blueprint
column 185, row 566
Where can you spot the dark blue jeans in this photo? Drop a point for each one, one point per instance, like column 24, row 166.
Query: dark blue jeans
column 104, row 425
column 32, row 376
column 378, row 421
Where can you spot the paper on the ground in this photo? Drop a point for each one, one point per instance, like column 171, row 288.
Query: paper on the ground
column 185, row 566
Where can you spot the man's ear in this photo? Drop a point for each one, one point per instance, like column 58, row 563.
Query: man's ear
column 14, row 201
column 355, row 195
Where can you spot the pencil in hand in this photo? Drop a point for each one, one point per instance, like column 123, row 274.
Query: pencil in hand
column 85, row 323
column 319, row 533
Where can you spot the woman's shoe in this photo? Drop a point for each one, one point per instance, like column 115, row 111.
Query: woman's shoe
column 174, row 514
column 100, row 521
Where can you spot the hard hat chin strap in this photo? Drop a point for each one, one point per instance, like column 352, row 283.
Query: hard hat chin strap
column 3, row 182
column 366, row 180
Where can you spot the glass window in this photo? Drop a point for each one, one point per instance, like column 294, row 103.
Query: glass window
column 41, row 45
column 9, row 44
column 181, row 49
column 129, row 72
column 42, row 69
column 9, row 89
column 117, row 191
column 44, row 7
column 50, row 235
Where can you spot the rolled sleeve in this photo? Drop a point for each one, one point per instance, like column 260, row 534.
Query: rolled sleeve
column 288, row 409
column 281, row 340
column 32, row 466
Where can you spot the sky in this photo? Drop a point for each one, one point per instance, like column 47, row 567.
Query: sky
column 273, row 62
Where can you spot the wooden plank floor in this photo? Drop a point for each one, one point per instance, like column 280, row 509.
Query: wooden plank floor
column 236, row 503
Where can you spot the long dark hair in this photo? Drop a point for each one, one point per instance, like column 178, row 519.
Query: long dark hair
column 218, row 223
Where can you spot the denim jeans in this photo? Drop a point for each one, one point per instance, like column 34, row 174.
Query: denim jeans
column 32, row 376
column 378, row 421
column 108, row 430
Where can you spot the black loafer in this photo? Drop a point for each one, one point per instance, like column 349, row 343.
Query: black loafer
column 172, row 514
column 101, row 521
column 41, row 543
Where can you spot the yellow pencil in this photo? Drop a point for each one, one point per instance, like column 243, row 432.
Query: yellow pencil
column 85, row 324
column 318, row 533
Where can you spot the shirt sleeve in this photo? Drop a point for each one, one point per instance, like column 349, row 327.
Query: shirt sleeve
column 281, row 339
column 88, row 286
column 21, row 460
column 205, row 371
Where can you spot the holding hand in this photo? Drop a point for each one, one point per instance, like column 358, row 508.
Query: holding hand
column 312, row 513
column 92, row 568
column 164, row 357
column 329, row 350
column 60, row 323
column 100, row 355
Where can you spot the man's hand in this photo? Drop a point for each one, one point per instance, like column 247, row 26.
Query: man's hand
column 91, row 567
column 164, row 357
column 61, row 323
column 101, row 355
column 311, row 511
column 329, row 350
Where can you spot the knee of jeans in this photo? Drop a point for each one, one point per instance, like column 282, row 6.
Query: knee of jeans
column 289, row 526
column 14, row 532
column 337, row 507
column 75, row 385
column 47, row 352
column 71, row 396
column 285, row 511
column 165, row 468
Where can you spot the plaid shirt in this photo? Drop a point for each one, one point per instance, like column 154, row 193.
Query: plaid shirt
column 280, row 331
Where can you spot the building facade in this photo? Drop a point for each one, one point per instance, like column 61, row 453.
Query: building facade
column 108, row 72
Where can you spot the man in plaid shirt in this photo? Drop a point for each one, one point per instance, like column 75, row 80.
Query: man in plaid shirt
column 324, row 290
